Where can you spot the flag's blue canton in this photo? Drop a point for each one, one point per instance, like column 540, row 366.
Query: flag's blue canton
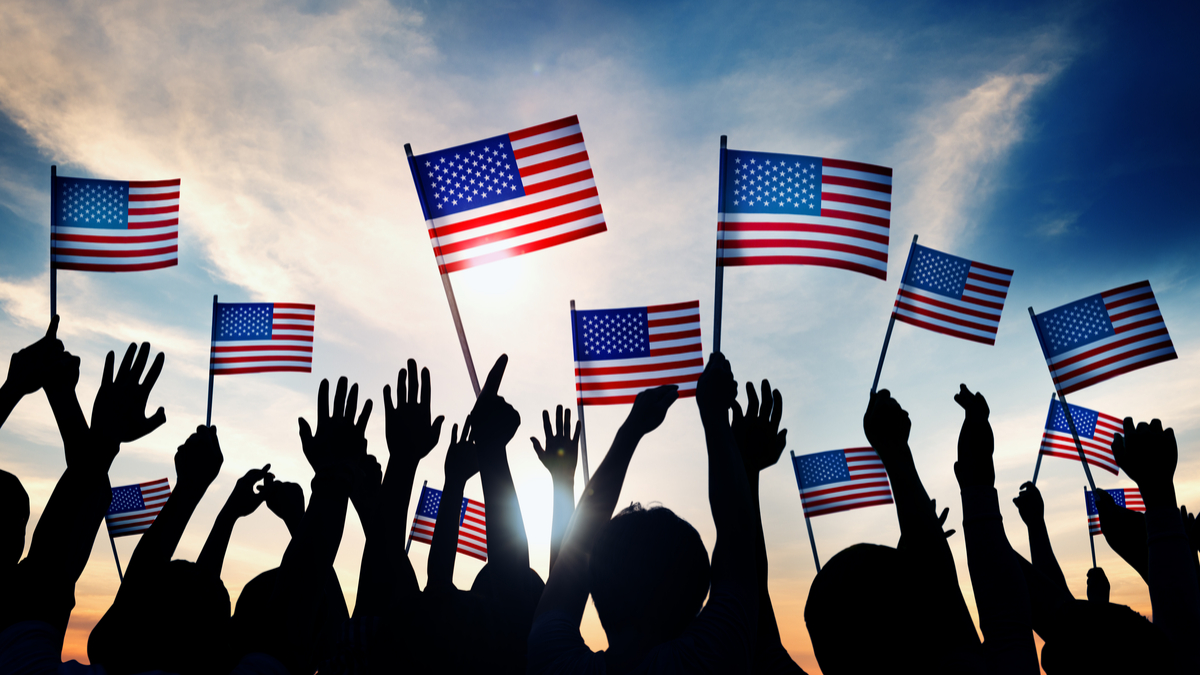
column 1117, row 495
column 822, row 468
column 938, row 272
column 469, row 176
column 86, row 202
column 1074, row 325
column 430, row 499
column 1085, row 420
column 767, row 182
column 245, row 320
column 127, row 498
column 606, row 334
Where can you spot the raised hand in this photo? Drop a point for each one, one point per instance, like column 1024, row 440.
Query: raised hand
column 1148, row 453
column 461, row 461
column 285, row 500
column 716, row 391
column 339, row 439
column 561, row 453
column 199, row 459
column 650, row 408
column 942, row 518
column 28, row 368
column 757, row 430
column 410, row 432
column 975, row 442
column 244, row 499
column 886, row 425
column 1098, row 587
column 1191, row 526
column 1030, row 505
column 119, row 412
column 495, row 422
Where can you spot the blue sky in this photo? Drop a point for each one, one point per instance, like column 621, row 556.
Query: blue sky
column 1057, row 139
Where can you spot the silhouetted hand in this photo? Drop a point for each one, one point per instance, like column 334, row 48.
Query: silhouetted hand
column 1191, row 526
column 62, row 374
column 1148, row 453
column 757, row 431
column 650, row 409
column 942, row 518
column 244, row 499
column 494, row 422
column 1098, row 587
column 716, row 391
column 1124, row 530
column 976, row 443
column 461, row 462
column 410, row 432
column 1030, row 505
column 886, row 425
column 199, row 459
column 119, row 412
column 367, row 480
column 339, row 440
column 561, row 453
column 28, row 368
column 285, row 500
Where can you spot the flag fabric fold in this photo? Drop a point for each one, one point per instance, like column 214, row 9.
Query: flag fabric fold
column 262, row 337
column 115, row 226
column 777, row 209
column 952, row 295
column 1130, row 498
column 472, row 524
column 1095, row 431
column 508, row 195
column 620, row 352
column 134, row 507
column 1103, row 336
column 840, row 480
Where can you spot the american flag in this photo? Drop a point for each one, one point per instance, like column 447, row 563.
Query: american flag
column 472, row 526
column 508, row 195
column 115, row 226
column 262, row 337
column 952, row 295
column 1095, row 435
column 620, row 352
column 1130, row 498
column 134, row 507
column 793, row 210
column 840, row 480
column 1102, row 336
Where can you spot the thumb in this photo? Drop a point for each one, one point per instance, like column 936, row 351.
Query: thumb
column 305, row 432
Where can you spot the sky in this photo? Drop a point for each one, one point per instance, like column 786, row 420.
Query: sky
column 1055, row 139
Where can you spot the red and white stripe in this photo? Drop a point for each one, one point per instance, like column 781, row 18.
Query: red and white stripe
column 868, row 486
column 289, row 349
column 150, row 242
column 154, row 495
column 676, row 357
column 1141, row 340
column 975, row 317
column 472, row 531
column 1097, row 450
column 851, row 232
column 561, row 203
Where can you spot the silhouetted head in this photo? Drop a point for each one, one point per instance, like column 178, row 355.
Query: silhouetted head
column 255, row 620
column 14, row 518
column 1092, row 637
column 649, row 569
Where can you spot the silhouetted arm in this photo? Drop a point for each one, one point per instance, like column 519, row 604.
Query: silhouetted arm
column 461, row 465
column 242, row 502
column 560, row 457
column 28, row 368
column 1032, row 509
column 1125, row 531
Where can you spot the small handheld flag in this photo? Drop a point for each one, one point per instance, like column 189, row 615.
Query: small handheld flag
column 840, row 480
column 1129, row 498
column 262, row 337
column 1095, row 430
column 952, row 295
column 114, row 226
column 472, row 524
column 134, row 507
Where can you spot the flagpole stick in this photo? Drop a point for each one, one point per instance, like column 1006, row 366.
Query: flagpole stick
column 120, row 576
column 579, row 397
column 1038, row 467
column 1087, row 471
column 1092, row 537
column 812, row 541
column 53, row 229
column 458, row 326
column 408, row 544
column 720, row 284
column 212, row 338
column 887, row 338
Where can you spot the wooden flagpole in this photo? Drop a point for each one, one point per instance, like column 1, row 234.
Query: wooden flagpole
column 1092, row 537
column 887, row 338
column 720, row 284
column 120, row 576
column 212, row 338
column 579, row 397
column 812, row 541
column 458, row 326
column 408, row 544
column 1087, row 471
column 1038, row 467
column 53, row 229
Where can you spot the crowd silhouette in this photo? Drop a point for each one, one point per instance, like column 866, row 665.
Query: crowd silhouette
column 666, row 606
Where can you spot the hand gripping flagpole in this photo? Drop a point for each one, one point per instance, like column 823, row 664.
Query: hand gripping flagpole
column 812, row 541
column 408, row 544
column 1038, row 467
column 212, row 338
column 720, row 285
column 1091, row 537
column 458, row 326
column 1087, row 471
column 892, row 320
column 579, row 395
column 53, row 231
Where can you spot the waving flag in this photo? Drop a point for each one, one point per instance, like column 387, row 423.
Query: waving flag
column 134, row 507
column 508, row 195
column 262, row 337
column 1130, row 498
column 840, row 480
column 472, row 525
column 794, row 210
column 1095, row 435
column 620, row 352
column 952, row 295
column 1102, row 336
column 115, row 226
